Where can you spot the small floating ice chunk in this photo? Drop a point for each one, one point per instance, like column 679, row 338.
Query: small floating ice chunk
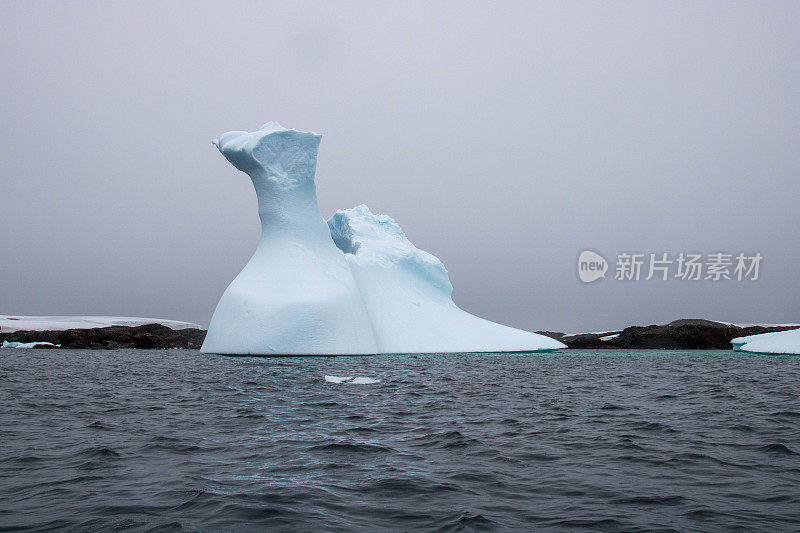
column 350, row 379
column 364, row 381
column 338, row 379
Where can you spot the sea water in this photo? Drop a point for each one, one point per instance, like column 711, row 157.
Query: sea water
column 592, row 440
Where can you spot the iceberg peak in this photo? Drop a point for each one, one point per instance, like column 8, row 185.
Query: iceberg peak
column 271, row 127
column 297, row 294
column 282, row 156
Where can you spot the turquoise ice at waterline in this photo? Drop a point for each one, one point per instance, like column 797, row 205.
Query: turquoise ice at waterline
column 779, row 342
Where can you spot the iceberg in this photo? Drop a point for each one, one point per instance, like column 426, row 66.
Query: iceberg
column 354, row 285
column 738, row 342
column 779, row 342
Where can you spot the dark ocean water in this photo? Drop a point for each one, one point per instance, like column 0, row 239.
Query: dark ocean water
column 578, row 440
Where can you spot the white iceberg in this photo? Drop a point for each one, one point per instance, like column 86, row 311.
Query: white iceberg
column 353, row 286
column 778, row 342
column 738, row 342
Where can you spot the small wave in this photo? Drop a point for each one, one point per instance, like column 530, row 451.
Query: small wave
column 591, row 524
column 246, row 412
column 24, row 459
column 172, row 445
column 447, row 439
column 630, row 444
column 326, row 404
column 695, row 457
column 652, row 500
column 475, row 477
column 409, row 485
column 703, row 513
column 641, row 459
column 250, row 513
column 191, row 499
column 787, row 414
column 63, row 484
column 777, row 498
column 167, row 526
column 361, row 429
column 778, row 448
column 254, row 416
column 539, row 457
column 652, row 426
column 467, row 521
column 100, row 451
column 348, row 447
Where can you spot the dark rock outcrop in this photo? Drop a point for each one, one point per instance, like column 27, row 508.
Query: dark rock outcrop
column 680, row 337
column 684, row 334
column 147, row 336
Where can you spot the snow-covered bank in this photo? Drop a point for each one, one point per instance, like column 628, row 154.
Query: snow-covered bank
column 11, row 323
column 109, row 337
column 682, row 334
column 7, row 344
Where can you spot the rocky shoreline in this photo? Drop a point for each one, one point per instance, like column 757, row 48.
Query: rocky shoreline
column 684, row 334
column 147, row 336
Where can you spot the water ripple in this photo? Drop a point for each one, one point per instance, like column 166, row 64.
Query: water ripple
column 581, row 440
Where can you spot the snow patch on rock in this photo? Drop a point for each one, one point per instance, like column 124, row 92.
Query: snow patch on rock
column 11, row 323
column 7, row 344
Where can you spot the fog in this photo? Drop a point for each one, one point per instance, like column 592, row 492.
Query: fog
column 505, row 138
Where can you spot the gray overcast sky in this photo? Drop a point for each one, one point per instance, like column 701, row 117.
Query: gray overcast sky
column 504, row 138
